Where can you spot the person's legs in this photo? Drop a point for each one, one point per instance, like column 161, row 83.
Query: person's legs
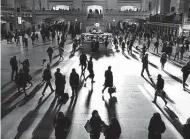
column 155, row 96
column 147, row 71
column 142, row 71
column 12, row 74
column 45, row 88
column 49, row 84
column 184, row 79
column 104, row 89
column 72, row 90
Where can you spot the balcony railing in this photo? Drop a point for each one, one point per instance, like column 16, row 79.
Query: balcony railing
column 57, row 12
column 172, row 18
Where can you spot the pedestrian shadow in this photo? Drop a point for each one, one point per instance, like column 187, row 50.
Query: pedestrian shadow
column 45, row 127
column 111, row 107
column 126, row 56
column 153, row 65
column 171, row 113
column 135, row 57
column 55, row 56
column 151, row 82
column 3, row 86
column 173, row 77
column 88, row 99
column 27, row 121
column 71, row 55
column 55, row 64
column 136, row 52
column 37, row 72
column 5, row 106
column 187, row 90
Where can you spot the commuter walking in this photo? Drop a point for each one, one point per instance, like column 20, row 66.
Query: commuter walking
column 145, row 65
column 14, row 67
column 159, row 89
column 61, row 123
column 50, row 52
column 96, row 124
column 156, row 127
column 113, row 131
column 163, row 60
column 186, row 71
column 156, row 44
column 91, row 71
column 186, row 129
column 83, row 63
column 74, row 82
column 108, row 79
column 47, row 78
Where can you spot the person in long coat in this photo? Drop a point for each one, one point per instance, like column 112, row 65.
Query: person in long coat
column 113, row 131
column 156, row 127
column 108, row 79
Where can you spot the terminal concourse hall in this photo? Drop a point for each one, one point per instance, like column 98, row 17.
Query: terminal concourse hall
column 95, row 69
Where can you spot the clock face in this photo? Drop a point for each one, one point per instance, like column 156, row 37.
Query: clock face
column 97, row 25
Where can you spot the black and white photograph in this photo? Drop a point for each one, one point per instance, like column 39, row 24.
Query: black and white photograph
column 95, row 69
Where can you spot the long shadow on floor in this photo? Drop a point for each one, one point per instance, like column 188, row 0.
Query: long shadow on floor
column 88, row 100
column 45, row 127
column 151, row 82
column 111, row 107
column 135, row 57
column 29, row 118
column 153, row 65
column 187, row 90
column 174, row 77
column 3, row 86
column 126, row 56
column 5, row 107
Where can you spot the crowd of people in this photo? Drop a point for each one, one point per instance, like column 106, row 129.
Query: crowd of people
column 126, row 39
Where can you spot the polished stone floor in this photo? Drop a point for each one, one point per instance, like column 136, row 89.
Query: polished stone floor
column 31, row 117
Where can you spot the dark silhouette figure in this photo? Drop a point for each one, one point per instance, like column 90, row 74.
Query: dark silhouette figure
column 163, row 60
column 145, row 65
column 186, row 71
column 61, row 123
column 108, row 79
column 159, row 89
column 113, row 131
column 91, row 71
column 47, row 77
column 59, row 83
column 83, row 61
column 186, row 129
column 156, row 127
column 96, row 124
column 14, row 66
column 74, row 82
column 50, row 52
column 156, row 44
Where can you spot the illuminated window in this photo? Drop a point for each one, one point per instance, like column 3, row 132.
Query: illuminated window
column 62, row 7
column 128, row 8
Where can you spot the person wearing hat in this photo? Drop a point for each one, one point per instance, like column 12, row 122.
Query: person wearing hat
column 145, row 65
column 159, row 89
column 61, row 123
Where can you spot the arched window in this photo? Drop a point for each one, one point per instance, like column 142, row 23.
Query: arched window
column 94, row 8
column 128, row 8
column 61, row 7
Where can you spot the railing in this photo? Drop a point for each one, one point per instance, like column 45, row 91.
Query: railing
column 57, row 12
column 173, row 18
column 128, row 13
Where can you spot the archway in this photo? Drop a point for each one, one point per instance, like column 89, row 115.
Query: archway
column 95, row 9
column 128, row 8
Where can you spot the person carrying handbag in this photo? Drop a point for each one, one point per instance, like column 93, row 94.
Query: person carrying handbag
column 96, row 125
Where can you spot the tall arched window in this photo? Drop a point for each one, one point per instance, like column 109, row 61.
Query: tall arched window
column 94, row 8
